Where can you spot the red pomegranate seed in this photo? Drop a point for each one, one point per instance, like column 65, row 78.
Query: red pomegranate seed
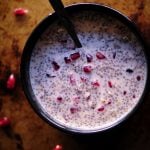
column 95, row 83
column 58, row 147
column 138, row 78
column 67, row 60
column 20, row 11
column 55, row 65
column 59, row 99
column 110, row 84
column 99, row 55
column 89, row 57
column 73, row 110
column 125, row 92
column 101, row 108
column 11, row 82
column 87, row 69
column 4, row 122
column 75, row 56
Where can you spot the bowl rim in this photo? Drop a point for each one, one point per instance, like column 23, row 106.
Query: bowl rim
column 27, row 51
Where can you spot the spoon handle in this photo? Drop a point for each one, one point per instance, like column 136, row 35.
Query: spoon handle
column 59, row 8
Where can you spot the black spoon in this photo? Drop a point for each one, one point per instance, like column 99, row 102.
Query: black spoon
column 59, row 8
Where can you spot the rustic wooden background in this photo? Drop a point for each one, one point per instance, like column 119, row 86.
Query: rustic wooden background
column 27, row 130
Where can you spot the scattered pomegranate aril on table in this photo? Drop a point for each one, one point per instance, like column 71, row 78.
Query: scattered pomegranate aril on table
column 20, row 11
column 11, row 82
column 4, row 122
column 58, row 147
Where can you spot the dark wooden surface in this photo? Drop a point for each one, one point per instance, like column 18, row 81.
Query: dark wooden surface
column 27, row 130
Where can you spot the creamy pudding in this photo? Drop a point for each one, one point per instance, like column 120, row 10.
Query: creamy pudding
column 92, row 87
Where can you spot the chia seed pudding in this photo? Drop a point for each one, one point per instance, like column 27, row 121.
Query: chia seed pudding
column 92, row 87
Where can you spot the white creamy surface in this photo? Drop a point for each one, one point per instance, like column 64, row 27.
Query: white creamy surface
column 97, row 33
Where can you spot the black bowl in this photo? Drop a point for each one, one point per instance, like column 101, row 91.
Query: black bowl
column 35, row 36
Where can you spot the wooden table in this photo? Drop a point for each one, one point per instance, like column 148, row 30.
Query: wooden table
column 27, row 130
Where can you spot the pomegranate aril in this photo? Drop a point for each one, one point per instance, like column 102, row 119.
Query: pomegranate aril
column 20, row 11
column 4, row 122
column 11, row 82
column 73, row 110
column 59, row 99
column 87, row 69
column 95, row 84
column 138, row 78
column 99, row 55
column 89, row 57
column 58, row 147
column 75, row 56
column 101, row 108
column 67, row 60
column 110, row 84
column 55, row 65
